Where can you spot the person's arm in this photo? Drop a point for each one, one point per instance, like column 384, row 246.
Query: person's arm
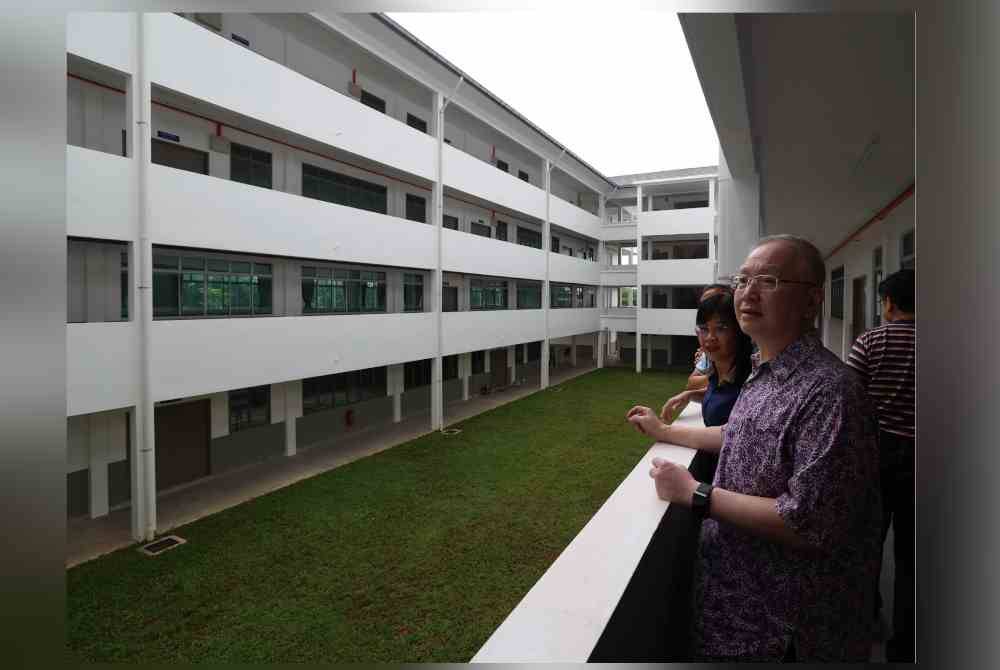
column 754, row 514
column 701, row 438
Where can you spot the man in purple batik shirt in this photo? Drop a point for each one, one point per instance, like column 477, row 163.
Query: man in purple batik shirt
column 792, row 521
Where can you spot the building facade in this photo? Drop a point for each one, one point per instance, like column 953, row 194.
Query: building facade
column 286, row 229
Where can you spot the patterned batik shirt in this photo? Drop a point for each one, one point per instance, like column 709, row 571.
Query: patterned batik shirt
column 801, row 433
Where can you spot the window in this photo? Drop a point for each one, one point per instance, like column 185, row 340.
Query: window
column 907, row 252
column 449, row 298
column 590, row 253
column 249, row 166
column 373, row 101
column 416, row 122
column 529, row 238
column 183, row 287
column 657, row 297
column 478, row 362
column 502, row 165
column 837, row 293
column 502, row 230
column 562, row 296
column 180, row 157
column 416, row 374
column 529, row 295
column 326, row 290
column 555, row 244
column 625, row 297
column 249, row 408
column 487, row 294
column 413, row 293
column 590, row 296
column 449, row 367
column 416, row 208
column 876, row 280
column 450, row 222
column 479, row 228
column 523, row 176
column 569, row 251
column 346, row 388
column 691, row 204
column 343, row 190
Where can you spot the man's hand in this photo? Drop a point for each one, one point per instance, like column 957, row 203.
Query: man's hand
column 673, row 483
column 674, row 406
column 645, row 421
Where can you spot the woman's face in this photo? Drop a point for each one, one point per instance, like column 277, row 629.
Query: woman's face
column 717, row 338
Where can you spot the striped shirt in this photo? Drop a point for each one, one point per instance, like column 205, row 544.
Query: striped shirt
column 885, row 358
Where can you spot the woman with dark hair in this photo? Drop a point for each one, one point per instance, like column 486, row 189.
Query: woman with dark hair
column 729, row 348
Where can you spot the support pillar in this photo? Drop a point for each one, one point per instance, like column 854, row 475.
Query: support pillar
column 572, row 351
column 465, row 371
column 512, row 363
column 437, row 388
column 638, row 352
column 638, row 284
column 98, row 439
column 293, row 410
column 394, row 380
column 546, row 287
column 601, row 343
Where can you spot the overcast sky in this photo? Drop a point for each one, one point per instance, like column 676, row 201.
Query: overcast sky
column 617, row 88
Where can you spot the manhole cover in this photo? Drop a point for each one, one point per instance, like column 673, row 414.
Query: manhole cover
column 163, row 544
column 451, row 431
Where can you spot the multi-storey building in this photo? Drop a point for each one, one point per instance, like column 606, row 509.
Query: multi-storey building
column 287, row 228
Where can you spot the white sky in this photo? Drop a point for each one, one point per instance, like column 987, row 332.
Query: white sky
column 617, row 88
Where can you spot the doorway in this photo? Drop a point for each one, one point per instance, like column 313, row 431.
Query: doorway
column 183, row 432
column 860, row 303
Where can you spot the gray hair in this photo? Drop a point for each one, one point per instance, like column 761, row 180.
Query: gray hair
column 809, row 255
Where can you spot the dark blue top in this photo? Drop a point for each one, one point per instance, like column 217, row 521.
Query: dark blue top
column 718, row 401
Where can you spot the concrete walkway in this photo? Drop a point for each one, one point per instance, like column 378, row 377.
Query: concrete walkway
column 87, row 539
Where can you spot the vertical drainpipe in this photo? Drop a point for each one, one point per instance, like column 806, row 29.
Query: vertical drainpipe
column 601, row 289
column 638, row 284
column 144, row 294
column 437, row 390
column 546, row 288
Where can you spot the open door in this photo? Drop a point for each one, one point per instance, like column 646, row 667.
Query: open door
column 858, row 316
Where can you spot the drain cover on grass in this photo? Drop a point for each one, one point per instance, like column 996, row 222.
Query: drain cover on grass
column 451, row 431
column 157, row 547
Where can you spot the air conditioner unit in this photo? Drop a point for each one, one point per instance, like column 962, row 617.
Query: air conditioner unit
column 354, row 89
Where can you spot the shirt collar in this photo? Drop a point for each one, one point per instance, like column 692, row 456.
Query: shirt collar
column 784, row 364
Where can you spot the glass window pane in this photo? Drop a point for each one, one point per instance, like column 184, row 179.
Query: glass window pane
column 262, row 295
column 217, row 294
column 324, row 272
column 262, row 268
column 218, row 265
column 165, row 261
column 308, row 271
column 192, row 293
column 194, row 264
column 166, row 294
column 240, row 266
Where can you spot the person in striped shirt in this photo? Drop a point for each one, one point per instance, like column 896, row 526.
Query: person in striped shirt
column 884, row 357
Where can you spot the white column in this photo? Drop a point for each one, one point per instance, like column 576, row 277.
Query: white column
column 649, row 352
column 394, row 382
column 465, row 370
column 638, row 284
column 437, row 388
column 512, row 363
column 543, row 364
column 293, row 410
column 572, row 350
column 97, row 440
column 601, row 339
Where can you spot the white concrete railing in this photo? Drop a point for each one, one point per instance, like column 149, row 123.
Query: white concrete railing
column 563, row 615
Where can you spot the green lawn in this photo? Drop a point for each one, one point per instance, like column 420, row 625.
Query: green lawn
column 414, row 554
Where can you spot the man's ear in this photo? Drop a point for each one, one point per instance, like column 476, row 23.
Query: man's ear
column 815, row 298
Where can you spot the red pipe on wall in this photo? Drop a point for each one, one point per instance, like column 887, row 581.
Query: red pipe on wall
column 879, row 216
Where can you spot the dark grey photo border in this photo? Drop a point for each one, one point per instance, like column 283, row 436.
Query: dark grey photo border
column 958, row 203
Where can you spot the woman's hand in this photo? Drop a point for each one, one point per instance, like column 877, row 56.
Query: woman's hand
column 645, row 421
column 675, row 406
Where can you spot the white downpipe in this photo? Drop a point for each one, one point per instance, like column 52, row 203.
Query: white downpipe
column 145, row 292
column 638, row 284
column 546, row 286
column 437, row 390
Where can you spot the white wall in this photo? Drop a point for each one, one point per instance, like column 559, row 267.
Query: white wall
column 100, row 195
column 471, row 331
column 573, row 321
column 739, row 217
column 573, row 270
column 681, row 272
column 102, row 37
column 462, row 252
column 257, row 220
column 698, row 221
column 466, row 173
column 101, row 365
column 227, row 74
column 572, row 217
column 620, row 277
column 200, row 356
column 668, row 321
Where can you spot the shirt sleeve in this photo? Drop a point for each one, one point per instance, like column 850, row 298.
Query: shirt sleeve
column 858, row 358
column 833, row 491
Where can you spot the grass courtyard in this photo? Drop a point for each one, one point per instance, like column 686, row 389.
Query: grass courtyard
column 415, row 554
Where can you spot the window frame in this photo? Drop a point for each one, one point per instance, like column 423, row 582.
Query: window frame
column 237, row 147
column 210, row 275
column 254, row 394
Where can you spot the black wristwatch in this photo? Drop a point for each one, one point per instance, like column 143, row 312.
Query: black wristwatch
column 701, row 501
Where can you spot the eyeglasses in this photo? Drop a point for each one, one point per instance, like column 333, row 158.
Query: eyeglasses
column 705, row 331
column 764, row 282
